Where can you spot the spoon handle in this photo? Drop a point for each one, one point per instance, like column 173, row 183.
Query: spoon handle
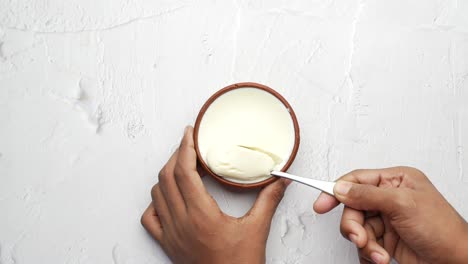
column 325, row 186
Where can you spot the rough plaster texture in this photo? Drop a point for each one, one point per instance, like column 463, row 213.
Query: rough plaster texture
column 94, row 96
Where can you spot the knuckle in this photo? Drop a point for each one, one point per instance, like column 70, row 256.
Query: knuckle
column 144, row 220
column 164, row 174
column 154, row 190
column 413, row 173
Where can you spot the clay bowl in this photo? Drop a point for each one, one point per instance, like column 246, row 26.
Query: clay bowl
column 207, row 105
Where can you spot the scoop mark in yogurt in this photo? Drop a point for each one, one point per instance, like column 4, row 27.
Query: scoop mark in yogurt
column 241, row 161
column 274, row 157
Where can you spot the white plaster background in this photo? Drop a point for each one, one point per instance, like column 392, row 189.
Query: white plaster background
column 94, row 96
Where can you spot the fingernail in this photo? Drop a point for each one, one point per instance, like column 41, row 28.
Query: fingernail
column 353, row 238
column 377, row 257
column 186, row 129
column 342, row 187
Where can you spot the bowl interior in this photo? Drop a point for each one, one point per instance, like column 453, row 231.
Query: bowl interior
column 244, row 183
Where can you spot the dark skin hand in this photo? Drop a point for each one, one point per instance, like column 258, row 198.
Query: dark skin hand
column 389, row 213
column 190, row 226
column 397, row 213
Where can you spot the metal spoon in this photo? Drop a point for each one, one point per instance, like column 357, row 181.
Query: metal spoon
column 325, row 186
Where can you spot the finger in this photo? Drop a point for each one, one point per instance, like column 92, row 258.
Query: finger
column 390, row 237
column 160, row 205
column 325, row 203
column 188, row 156
column 267, row 201
column 187, row 178
column 364, row 176
column 352, row 226
column 372, row 250
column 169, row 188
column 376, row 177
column 377, row 225
column 150, row 221
column 374, row 253
column 368, row 197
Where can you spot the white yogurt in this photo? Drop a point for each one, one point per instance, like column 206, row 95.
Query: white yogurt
column 244, row 134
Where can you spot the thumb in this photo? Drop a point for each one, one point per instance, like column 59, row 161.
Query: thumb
column 367, row 197
column 268, row 200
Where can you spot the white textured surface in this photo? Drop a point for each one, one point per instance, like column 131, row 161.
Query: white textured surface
column 94, row 96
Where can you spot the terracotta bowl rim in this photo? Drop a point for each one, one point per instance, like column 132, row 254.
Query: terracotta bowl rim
column 207, row 105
